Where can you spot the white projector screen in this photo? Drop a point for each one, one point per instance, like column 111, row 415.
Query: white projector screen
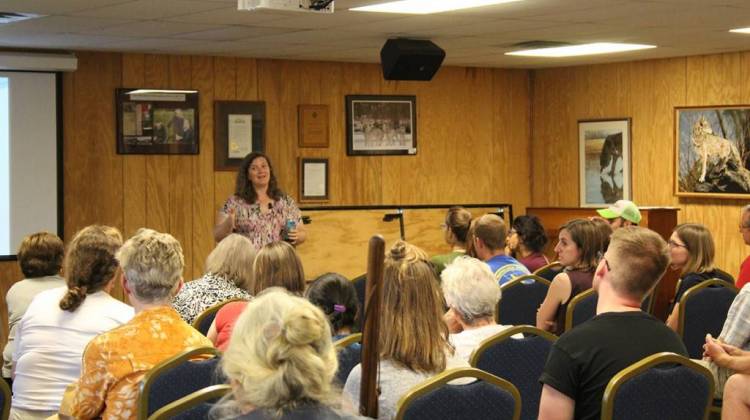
column 30, row 158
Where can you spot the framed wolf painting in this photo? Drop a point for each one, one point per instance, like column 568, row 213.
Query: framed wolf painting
column 604, row 161
column 711, row 151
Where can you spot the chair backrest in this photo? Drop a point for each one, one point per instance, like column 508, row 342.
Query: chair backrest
column 488, row 397
column 663, row 386
column 520, row 300
column 549, row 271
column 204, row 320
column 703, row 310
column 176, row 377
column 348, row 355
column 581, row 308
column 5, row 397
column 647, row 304
column 192, row 406
column 517, row 360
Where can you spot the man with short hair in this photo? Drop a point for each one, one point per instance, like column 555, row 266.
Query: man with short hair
column 489, row 245
column 584, row 359
column 622, row 213
column 744, row 276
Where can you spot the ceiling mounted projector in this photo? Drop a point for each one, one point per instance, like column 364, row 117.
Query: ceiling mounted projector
column 318, row 6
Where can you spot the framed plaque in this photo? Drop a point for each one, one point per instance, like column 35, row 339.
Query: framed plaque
column 239, row 129
column 313, row 179
column 313, row 125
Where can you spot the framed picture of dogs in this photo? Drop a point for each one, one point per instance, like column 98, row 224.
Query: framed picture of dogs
column 711, row 151
column 604, row 161
column 381, row 125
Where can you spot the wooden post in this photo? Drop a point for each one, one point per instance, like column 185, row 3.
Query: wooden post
column 368, row 393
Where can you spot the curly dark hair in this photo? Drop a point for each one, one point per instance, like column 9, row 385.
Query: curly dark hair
column 40, row 254
column 244, row 187
column 337, row 297
column 529, row 228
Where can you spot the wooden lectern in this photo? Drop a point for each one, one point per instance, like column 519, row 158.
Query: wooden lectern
column 661, row 220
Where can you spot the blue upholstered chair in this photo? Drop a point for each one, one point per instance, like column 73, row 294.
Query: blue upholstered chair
column 5, row 397
column 663, row 386
column 703, row 310
column 581, row 308
column 549, row 271
column 204, row 320
column 489, row 397
column 520, row 361
column 349, row 355
column 520, row 300
column 177, row 377
column 194, row 406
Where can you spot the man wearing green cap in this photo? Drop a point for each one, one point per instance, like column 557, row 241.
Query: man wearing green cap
column 622, row 213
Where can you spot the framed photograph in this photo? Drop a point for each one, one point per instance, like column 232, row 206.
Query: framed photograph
column 711, row 151
column 604, row 161
column 313, row 179
column 155, row 121
column 239, row 129
column 312, row 125
column 381, row 125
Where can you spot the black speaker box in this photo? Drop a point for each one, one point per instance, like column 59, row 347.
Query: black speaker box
column 410, row 59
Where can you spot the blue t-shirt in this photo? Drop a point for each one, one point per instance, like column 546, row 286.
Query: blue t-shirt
column 506, row 268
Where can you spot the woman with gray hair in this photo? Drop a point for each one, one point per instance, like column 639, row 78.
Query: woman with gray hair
column 115, row 362
column 471, row 293
column 229, row 275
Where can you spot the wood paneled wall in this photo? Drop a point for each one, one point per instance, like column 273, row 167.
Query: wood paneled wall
column 646, row 91
column 473, row 142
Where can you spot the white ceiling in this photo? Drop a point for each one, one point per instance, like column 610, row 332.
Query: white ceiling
column 476, row 37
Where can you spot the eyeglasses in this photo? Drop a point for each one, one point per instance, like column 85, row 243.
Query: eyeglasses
column 600, row 257
column 673, row 244
column 743, row 227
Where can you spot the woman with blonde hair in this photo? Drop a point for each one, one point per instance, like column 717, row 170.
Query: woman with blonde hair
column 59, row 323
column 413, row 341
column 691, row 250
column 276, row 265
column 579, row 245
column 280, row 361
column 229, row 275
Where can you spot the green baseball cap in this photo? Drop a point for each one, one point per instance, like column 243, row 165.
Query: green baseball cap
column 622, row 208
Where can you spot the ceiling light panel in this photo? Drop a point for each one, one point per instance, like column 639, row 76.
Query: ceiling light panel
column 424, row 7
column 581, row 49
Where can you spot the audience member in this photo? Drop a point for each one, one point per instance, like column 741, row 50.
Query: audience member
column 605, row 230
column 281, row 362
column 582, row 362
column 229, row 275
column 115, row 362
column 622, row 213
column 59, row 323
column 489, row 246
column 691, row 248
column 736, row 401
column 413, row 339
column 744, row 276
column 276, row 265
column 337, row 298
column 40, row 258
column 526, row 242
column 471, row 294
column 577, row 248
column 456, row 227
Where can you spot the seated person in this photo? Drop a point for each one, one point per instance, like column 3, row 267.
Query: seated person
column 115, row 362
column 691, row 248
column 40, row 258
column 59, row 323
column 526, row 242
column 281, row 362
column 413, row 339
column 456, row 229
column 276, row 265
column 736, row 402
column 577, row 248
column 489, row 246
column 471, row 293
column 621, row 214
column 583, row 360
column 229, row 275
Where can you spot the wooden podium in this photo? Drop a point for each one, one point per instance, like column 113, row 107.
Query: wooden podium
column 661, row 220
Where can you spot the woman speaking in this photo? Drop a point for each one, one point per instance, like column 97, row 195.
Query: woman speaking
column 258, row 209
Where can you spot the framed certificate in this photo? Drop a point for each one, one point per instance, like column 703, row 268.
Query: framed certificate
column 239, row 129
column 313, row 179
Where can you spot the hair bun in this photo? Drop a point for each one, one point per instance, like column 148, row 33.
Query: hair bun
column 398, row 251
column 302, row 327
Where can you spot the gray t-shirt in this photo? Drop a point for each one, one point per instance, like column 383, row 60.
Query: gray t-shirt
column 18, row 299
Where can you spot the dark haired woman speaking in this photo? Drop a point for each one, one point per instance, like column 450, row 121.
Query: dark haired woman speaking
column 258, row 209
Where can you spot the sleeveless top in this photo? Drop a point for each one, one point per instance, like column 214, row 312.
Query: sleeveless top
column 580, row 281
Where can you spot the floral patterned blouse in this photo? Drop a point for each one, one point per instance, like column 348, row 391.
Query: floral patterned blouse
column 115, row 362
column 207, row 291
column 262, row 228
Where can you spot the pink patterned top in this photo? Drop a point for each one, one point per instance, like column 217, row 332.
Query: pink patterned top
column 262, row 228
